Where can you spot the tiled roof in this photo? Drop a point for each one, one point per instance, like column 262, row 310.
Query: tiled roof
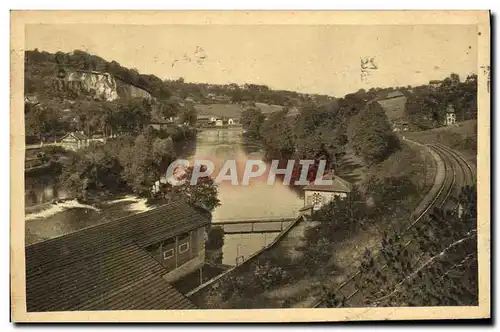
column 338, row 185
column 105, row 265
column 394, row 94
column 77, row 135
column 123, row 278
column 80, row 135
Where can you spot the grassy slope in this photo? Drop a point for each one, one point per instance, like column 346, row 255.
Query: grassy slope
column 462, row 137
column 231, row 110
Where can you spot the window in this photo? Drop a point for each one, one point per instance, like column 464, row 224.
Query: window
column 184, row 247
column 317, row 199
column 167, row 254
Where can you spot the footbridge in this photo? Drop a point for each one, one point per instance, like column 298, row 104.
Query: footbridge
column 257, row 225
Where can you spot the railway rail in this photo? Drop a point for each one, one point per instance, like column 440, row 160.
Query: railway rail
column 458, row 172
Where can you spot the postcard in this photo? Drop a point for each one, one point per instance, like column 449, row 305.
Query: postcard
column 292, row 166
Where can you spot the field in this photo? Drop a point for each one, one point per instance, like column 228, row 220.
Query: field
column 232, row 110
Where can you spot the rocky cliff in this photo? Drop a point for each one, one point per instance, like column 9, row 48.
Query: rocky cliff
column 101, row 86
column 129, row 91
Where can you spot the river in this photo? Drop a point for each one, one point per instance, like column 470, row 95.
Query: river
column 256, row 200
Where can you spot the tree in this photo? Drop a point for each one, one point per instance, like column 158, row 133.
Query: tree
column 145, row 162
column 371, row 134
column 277, row 136
column 203, row 193
column 90, row 173
column 251, row 121
column 188, row 115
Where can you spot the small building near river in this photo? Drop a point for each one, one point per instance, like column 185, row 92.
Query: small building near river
column 317, row 195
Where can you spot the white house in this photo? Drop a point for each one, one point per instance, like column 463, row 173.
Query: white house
column 451, row 117
column 219, row 122
column 317, row 195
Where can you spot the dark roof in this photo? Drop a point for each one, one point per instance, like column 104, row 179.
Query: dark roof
column 338, row 185
column 103, row 266
column 394, row 94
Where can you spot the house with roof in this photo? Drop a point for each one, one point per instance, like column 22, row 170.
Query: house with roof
column 162, row 123
column 203, row 120
column 74, row 141
column 318, row 195
column 125, row 264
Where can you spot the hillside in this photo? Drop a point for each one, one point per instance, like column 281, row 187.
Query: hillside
column 462, row 137
column 79, row 72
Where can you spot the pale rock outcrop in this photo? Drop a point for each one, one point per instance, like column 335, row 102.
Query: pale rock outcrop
column 102, row 85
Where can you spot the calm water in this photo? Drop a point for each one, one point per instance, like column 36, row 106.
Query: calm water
column 257, row 200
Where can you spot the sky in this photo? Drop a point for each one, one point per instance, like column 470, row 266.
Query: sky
column 324, row 59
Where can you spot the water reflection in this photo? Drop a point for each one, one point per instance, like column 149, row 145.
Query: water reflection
column 258, row 199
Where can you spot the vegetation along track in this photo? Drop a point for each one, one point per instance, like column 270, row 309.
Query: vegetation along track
column 457, row 173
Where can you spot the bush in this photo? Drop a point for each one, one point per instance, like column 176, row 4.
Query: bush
column 215, row 238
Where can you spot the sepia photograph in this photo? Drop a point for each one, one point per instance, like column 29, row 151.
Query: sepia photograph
column 171, row 165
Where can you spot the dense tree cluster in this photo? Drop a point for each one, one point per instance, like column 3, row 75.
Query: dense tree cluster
column 136, row 164
column 252, row 120
column 323, row 131
column 234, row 93
column 427, row 105
column 51, row 120
column 371, row 135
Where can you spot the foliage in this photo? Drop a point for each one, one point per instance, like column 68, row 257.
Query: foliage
column 252, row 120
column 42, row 123
column 433, row 263
column 426, row 106
column 215, row 238
column 127, row 163
column 387, row 193
column 187, row 115
column 277, row 136
column 203, row 193
column 264, row 273
column 92, row 174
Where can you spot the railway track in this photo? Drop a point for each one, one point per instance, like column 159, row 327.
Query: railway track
column 458, row 172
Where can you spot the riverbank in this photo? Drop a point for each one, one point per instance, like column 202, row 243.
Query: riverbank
column 49, row 220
